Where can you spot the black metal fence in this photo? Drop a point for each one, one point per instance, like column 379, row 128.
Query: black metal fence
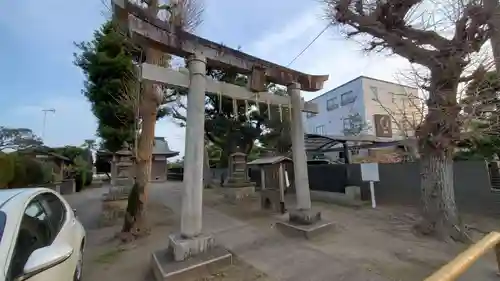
column 400, row 184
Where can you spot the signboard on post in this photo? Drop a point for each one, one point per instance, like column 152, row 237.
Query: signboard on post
column 369, row 173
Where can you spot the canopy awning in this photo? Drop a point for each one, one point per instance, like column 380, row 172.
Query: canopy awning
column 325, row 143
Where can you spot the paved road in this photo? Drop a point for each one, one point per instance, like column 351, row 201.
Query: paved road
column 88, row 205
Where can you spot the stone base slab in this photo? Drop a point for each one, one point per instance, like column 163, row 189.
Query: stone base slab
column 184, row 248
column 118, row 193
column 304, row 231
column 112, row 211
column 304, row 217
column 198, row 267
column 237, row 193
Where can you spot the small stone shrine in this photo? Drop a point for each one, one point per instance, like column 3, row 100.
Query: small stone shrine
column 121, row 169
column 237, row 185
column 273, row 178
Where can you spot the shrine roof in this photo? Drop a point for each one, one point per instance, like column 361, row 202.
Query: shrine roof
column 269, row 160
column 161, row 148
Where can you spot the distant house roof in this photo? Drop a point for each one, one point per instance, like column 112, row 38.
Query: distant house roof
column 161, row 148
column 44, row 151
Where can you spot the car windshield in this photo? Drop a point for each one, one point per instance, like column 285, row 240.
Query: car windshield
column 3, row 218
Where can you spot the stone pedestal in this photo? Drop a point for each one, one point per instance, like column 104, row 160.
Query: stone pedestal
column 112, row 212
column 304, row 223
column 117, row 193
column 189, row 258
column 235, row 194
column 185, row 248
column 304, row 217
column 197, row 267
column 304, row 231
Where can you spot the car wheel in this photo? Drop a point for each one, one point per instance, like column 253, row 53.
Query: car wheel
column 79, row 267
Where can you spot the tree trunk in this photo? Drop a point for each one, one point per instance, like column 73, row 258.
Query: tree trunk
column 493, row 5
column 437, row 136
column 439, row 210
column 135, row 222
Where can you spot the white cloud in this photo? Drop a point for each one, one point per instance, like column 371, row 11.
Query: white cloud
column 304, row 25
column 331, row 54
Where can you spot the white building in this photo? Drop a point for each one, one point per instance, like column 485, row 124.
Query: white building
column 366, row 106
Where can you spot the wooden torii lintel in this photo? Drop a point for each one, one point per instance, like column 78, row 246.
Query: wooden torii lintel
column 158, row 34
column 172, row 77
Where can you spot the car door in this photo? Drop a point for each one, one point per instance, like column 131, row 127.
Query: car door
column 64, row 231
column 40, row 227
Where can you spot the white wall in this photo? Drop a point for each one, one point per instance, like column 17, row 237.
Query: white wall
column 395, row 100
column 332, row 120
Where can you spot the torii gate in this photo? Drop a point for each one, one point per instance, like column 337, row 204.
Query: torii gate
column 150, row 31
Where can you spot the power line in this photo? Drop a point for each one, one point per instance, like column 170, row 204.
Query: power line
column 309, row 45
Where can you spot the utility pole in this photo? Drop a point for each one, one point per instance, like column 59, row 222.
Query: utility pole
column 52, row 110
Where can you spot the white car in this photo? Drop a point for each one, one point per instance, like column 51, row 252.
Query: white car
column 40, row 237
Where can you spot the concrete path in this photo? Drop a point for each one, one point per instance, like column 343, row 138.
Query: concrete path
column 279, row 257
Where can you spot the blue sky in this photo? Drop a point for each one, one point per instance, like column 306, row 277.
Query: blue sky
column 37, row 70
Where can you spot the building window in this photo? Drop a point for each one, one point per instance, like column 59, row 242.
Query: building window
column 310, row 114
column 347, row 123
column 347, row 98
column 374, row 92
column 320, row 130
column 332, row 104
column 393, row 97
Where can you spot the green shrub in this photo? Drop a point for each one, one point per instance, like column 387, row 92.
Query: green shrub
column 29, row 172
column 7, row 169
column 88, row 178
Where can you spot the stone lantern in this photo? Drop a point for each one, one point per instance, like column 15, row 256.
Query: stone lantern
column 238, row 185
column 121, row 173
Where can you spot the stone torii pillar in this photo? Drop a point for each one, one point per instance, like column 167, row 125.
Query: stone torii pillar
column 298, row 150
column 190, row 241
column 303, row 213
column 192, row 197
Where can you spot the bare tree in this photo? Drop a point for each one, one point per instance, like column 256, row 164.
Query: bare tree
column 407, row 111
column 494, row 6
column 445, row 49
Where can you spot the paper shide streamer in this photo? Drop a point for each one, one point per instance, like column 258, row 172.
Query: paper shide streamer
column 235, row 109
